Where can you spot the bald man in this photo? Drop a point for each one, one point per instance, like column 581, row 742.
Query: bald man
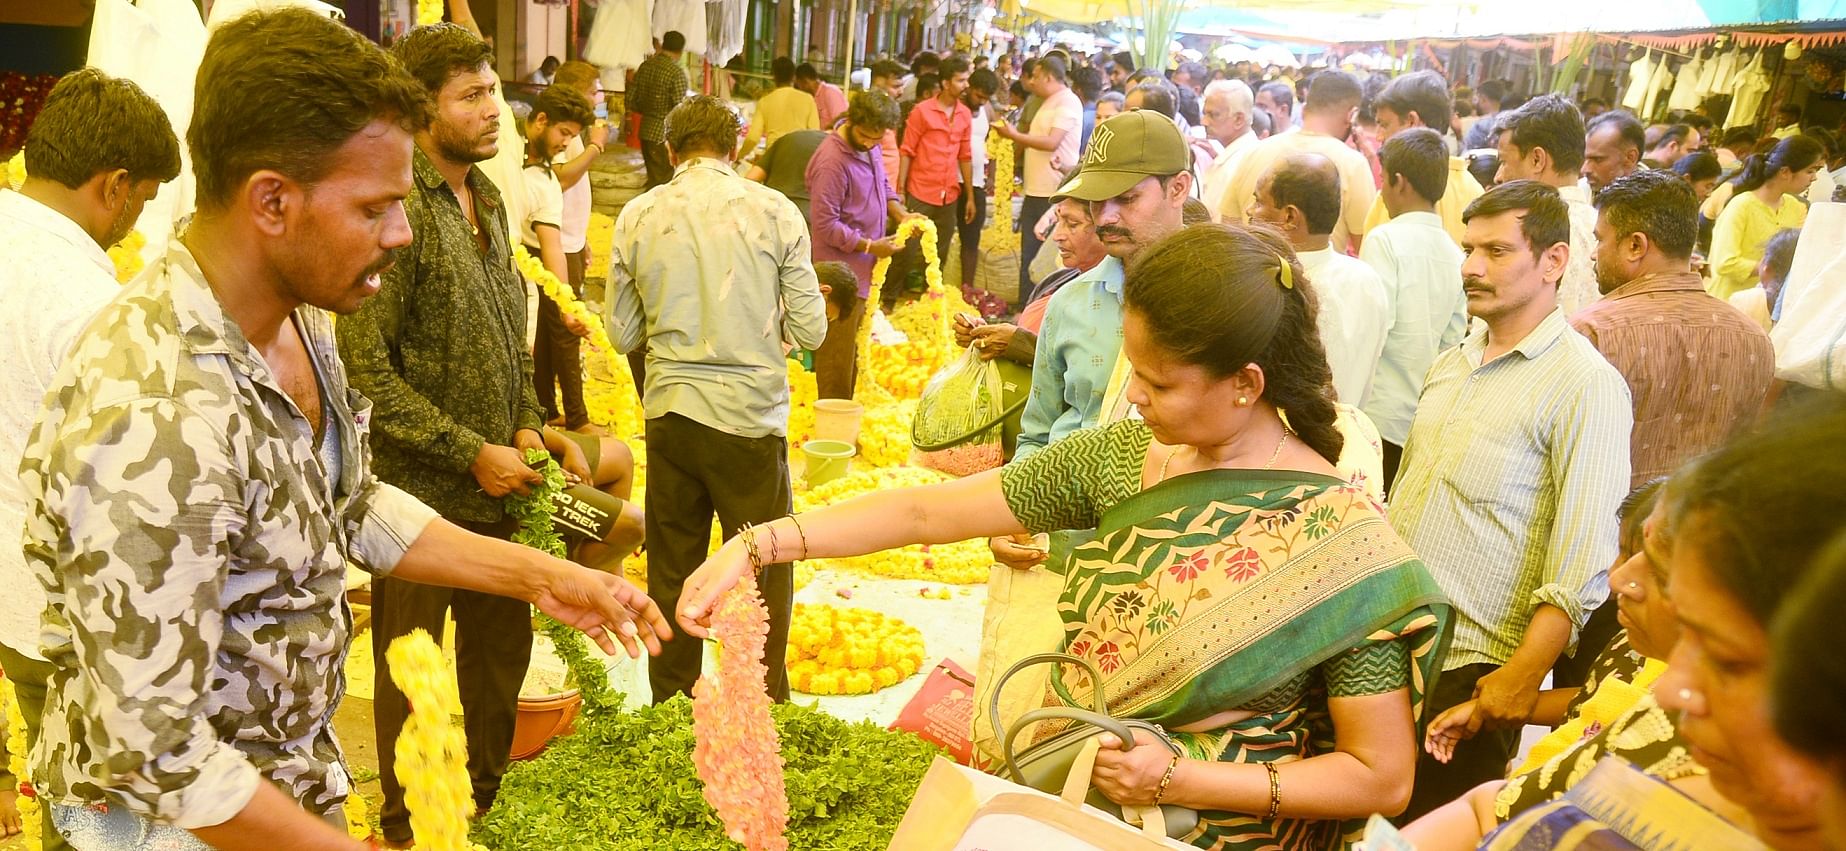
column 1227, row 108
column 1333, row 100
column 1300, row 196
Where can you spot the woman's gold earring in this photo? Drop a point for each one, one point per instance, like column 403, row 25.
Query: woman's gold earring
column 1243, row 401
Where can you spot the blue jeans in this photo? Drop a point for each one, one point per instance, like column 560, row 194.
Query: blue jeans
column 117, row 829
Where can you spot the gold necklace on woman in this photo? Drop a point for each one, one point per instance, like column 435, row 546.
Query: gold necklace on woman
column 1286, row 431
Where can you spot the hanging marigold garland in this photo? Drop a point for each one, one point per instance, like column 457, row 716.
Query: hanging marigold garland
column 868, row 391
column 432, row 753
column 31, row 817
column 999, row 234
column 626, row 406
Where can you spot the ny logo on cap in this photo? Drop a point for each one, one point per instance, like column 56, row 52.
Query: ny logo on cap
column 1099, row 146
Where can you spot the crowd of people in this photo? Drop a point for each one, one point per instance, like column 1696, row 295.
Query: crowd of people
column 1342, row 445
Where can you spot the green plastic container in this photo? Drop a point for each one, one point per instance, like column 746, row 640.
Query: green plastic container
column 827, row 460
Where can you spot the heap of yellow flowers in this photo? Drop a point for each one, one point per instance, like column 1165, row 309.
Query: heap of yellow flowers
column 884, row 434
column 432, row 754
column 999, row 234
column 429, row 12
column 598, row 237
column 628, row 421
column 868, row 391
column 31, row 816
column 963, row 563
column 833, row 650
column 803, row 391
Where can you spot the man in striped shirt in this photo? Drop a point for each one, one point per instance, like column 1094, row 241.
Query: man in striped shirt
column 1516, row 464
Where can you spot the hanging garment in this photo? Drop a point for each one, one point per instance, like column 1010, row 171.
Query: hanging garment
column 685, row 16
column 1708, row 75
column 1686, row 85
column 1728, row 63
column 726, row 30
column 1663, row 80
column 1747, row 92
column 1640, row 76
column 619, row 39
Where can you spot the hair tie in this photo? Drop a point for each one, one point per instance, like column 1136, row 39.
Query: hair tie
column 1284, row 275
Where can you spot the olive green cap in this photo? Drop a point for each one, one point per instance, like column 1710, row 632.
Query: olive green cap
column 1125, row 150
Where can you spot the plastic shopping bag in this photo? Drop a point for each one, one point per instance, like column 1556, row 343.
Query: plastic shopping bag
column 959, row 420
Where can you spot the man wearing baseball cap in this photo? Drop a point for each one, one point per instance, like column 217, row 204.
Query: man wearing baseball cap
column 1135, row 176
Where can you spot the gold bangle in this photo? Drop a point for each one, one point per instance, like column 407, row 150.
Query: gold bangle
column 748, row 534
column 803, row 534
column 775, row 546
column 1161, row 792
column 1275, row 789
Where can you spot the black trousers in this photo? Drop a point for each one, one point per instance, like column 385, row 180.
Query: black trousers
column 946, row 217
column 1393, row 458
column 836, row 365
column 557, row 355
column 493, row 644
column 971, row 232
column 692, row 471
column 1030, row 211
column 1476, row 760
column 654, row 158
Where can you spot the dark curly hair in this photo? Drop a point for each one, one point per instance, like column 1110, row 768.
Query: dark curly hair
column 437, row 52
column 1212, row 295
column 93, row 123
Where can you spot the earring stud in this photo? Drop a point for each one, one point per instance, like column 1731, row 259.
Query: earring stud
column 1243, row 401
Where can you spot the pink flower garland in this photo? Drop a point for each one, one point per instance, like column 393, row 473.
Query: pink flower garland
column 736, row 750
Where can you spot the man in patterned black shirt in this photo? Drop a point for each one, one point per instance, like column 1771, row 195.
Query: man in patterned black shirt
column 660, row 84
column 442, row 353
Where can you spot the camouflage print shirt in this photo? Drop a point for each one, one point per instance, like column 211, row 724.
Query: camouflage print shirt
column 442, row 351
column 193, row 549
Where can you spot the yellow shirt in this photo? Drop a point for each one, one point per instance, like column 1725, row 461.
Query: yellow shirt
column 1356, row 188
column 784, row 110
column 1738, row 238
column 1461, row 191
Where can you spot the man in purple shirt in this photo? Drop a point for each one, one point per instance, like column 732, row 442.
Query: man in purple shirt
column 850, row 203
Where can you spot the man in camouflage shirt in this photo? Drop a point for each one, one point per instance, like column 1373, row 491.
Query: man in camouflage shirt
column 200, row 475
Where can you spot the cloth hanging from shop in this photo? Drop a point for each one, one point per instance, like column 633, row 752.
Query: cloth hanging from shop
column 1724, row 70
column 725, row 19
column 619, row 38
column 685, row 16
column 1662, row 80
column 1640, row 76
column 1747, row 91
column 1686, row 85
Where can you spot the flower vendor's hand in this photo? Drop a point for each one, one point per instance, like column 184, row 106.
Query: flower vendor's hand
column 1449, row 729
column 502, row 469
column 571, row 458
column 1506, row 697
column 708, row 583
column 598, row 134
column 964, row 329
column 602, row 605
column 882, row 248
column 575, row 325
column 1131, row 776
column 1017, row 552
column 993, row 339
column 9, row 812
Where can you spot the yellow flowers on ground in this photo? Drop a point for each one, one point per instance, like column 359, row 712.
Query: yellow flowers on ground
column 30, row 815
column 432, row 754
column 834, row 650
column 963, row 563
column 600, row 235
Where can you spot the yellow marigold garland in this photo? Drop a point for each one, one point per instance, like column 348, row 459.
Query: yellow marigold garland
column 126, row 255
column 31, row 817
column 16, row 170
column 834, row 650
column 432, row 753
column 429, row 12
column 999, row 234
column 803, row 391
column 868, row 391
column 629, row 422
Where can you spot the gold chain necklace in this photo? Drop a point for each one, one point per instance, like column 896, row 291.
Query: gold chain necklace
column 1286, row 431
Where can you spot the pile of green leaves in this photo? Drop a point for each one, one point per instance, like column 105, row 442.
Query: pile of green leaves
column 625, row 782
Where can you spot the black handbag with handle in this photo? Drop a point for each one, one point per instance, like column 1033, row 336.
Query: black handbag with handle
column 1046, row 765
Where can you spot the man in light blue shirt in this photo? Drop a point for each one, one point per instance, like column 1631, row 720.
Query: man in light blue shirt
column 1421, row 270
column 1135, row 177
column 713, row 272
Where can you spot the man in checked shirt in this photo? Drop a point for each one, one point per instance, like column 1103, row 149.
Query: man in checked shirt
column 201, row 474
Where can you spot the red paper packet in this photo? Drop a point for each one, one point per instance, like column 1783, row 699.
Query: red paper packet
column 942, row 712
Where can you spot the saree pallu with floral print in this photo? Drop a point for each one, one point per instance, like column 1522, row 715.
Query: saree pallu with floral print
column 1230, row 590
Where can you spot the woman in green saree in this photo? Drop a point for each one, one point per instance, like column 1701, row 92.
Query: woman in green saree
column 1239, row 593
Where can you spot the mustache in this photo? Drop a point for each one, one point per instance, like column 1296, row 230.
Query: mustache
column 1112, row 230
column 383, row 264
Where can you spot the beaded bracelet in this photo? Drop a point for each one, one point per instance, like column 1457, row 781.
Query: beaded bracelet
column 1275, row 789
column 803, row 534
column 1161, row 792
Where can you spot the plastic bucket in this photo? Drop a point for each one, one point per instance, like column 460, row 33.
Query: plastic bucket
column 838, row 419
column 827, row 460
